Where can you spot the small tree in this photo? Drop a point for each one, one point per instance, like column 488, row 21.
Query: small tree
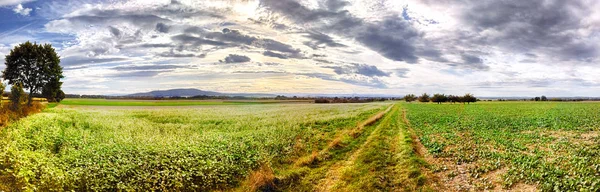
column 469, row 98
column 60, row 96
column 33, row 66
column 17, row 96
column 544, row 98
column 410, row 98
column 51, row 90
column 537, row 98
column 2, row 88
column 453, row 98
column 439, row 98
column 424, row 98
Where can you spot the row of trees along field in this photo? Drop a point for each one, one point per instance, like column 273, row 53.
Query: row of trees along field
column 35, row 67
column 441, row 98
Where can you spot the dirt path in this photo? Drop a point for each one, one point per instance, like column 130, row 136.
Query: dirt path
column 421, row 150
column 333, row 175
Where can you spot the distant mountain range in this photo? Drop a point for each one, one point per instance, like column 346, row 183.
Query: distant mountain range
column 194, row 92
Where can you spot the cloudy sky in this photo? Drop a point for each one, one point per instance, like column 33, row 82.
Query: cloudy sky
column 485, row 47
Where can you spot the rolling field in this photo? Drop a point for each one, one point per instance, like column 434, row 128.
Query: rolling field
column 123, row 102
column 307, row 147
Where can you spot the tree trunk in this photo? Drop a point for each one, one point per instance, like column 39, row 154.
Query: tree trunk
column 29, row 100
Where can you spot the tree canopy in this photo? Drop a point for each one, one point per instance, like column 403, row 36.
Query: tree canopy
column 424, row 98
column 410, row 98
column 36, row 67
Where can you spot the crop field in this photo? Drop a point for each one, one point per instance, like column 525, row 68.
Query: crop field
column 118, row 102
column 381, row 146
column 516, row 145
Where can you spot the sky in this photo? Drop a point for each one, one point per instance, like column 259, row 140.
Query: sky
column 390, row 47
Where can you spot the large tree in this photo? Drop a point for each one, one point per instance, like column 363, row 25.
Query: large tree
column 34, row 65
column 469, row 98
column 410, row 98
column 439, row 98
column 424, row 98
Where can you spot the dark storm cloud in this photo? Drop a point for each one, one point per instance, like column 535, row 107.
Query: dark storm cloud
column 320, row 40
column 147, row 67
column 542, row 26
column 114, row 31
column 80, row 61
column 335, row 5
column 137, row 74
column 471, row 62
column 161, row 27
column 155, row 45
column 273, row 54
column 393, row 37
column 197, row 41
column 236, row 38
column 116, row 16
column 233, row 58
column 323, row 61
column 470, row 59
column 173, row 54
column 361, row 69
column 401, row 72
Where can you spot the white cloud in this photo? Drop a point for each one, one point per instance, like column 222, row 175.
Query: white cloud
column 108, row 34
column 22, row 11
column 13, row 2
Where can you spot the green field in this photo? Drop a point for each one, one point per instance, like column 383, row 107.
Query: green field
column 118, row 102
column 547, row 145
column 306, row 147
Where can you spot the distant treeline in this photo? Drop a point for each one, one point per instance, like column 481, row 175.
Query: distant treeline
column 544, row 98
column 278, row 97
column 350, row 99
column 441, row 98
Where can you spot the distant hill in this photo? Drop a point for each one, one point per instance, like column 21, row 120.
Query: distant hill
column 194, row 92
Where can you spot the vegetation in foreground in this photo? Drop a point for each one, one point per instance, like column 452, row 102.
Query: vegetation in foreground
column 550, row 146
column 301, row 147
column 112, row 102
column 174, row 149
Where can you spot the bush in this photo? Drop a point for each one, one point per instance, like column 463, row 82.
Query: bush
column 17, row 97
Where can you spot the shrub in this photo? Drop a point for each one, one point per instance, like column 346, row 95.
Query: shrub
column 17, row 97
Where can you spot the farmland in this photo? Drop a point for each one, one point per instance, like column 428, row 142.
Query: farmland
column 519, row 145
column 381, row 146
column 124, row 102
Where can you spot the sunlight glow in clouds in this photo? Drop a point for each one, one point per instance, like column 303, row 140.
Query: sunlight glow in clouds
column 489, row 48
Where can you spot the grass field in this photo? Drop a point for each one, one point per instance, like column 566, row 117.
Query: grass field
column 118, row 102
column 307, row 147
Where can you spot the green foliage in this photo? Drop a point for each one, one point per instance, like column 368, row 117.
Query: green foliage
column 468, row 98
column 551, row 145
column 424, row 98
column 34, row 65
column 410, row 98
column 17, row 97
column 439, row 98
column 2, row 89
column 52, row 92
column 196, row 149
